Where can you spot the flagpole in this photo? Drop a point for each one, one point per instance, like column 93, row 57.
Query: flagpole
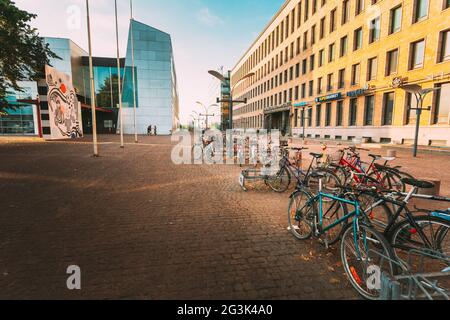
column 119, row 79
column 91, row 75
column 133, row 73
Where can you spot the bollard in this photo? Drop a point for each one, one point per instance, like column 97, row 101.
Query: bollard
column 434, row 191
column 392, row 154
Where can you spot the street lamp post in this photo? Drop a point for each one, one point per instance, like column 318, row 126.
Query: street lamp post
column 207, row 114
column 420, row 95
column 222, row 79
column 91, row 76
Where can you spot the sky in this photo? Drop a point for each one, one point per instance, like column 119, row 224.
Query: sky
column 206, row 34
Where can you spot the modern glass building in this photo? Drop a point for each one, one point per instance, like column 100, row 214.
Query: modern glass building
column 155, row 79
column 156, row 82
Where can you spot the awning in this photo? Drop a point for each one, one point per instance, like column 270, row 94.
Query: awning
column 277, row 109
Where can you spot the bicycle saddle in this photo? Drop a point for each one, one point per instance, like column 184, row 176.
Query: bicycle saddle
column 299, row 149
column 316, row 155
column 318, row 174
column 418, row 183
column 384, row 168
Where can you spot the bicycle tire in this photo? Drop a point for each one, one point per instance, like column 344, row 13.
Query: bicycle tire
column 386, row 263
column 303, row 217
column 283, row 172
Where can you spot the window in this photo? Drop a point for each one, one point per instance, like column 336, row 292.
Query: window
column 420, row 10
column 333, row 20
column 368, row 110
column 446, row 4
column 311, row 88
column 411, row 103
column 417, row 54
column 375, row 30
column 328, row 115
column 388, row 108
column 356, row 70
column 330, row 82
column 391, row 62
column 396, row 20
column 344, row 46
column 441, row 113
column 318, row 115
column 444, row 46
column 322, row 28
column 331, row 52
column 321, row 57
column 303, row 90
column 372, row 69
column 341, row 79
column 357, row 39
column 319, row 86
column 353, row 112
column 345, row 11
column 339, row 113
column 313, row 34
column 310, row 117
column 359, row 6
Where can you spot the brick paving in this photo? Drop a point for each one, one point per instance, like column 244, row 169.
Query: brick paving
column 141, row 227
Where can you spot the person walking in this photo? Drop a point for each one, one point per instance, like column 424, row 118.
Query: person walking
column 149, row 130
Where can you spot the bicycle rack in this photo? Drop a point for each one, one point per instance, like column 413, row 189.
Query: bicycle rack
column 415, row 285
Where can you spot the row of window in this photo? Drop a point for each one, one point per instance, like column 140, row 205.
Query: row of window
column 440, row 114
column 421, row 8
column 416, row 60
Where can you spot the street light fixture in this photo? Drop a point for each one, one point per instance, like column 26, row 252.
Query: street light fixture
column 207, row 115
column 420, row 95
column 222, row 79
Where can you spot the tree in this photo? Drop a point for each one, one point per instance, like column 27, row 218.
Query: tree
column 104, row 94
column 23, row 53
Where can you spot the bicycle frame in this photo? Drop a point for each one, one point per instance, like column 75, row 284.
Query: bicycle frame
column 320, row 230
column 402, row 207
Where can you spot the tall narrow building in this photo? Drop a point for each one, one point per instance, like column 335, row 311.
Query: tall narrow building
column 155, row 78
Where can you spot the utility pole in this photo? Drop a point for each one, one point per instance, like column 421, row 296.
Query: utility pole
column 91, row 76
column 119, row 80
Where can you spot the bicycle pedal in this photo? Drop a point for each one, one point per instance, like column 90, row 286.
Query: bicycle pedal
column 325, row 243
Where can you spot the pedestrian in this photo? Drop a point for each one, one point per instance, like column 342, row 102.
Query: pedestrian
column 149, row 130
column 156, row 133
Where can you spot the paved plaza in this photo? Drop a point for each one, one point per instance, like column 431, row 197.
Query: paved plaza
column 140, row 227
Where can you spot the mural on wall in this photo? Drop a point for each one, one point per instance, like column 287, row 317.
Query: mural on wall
column 63, row 106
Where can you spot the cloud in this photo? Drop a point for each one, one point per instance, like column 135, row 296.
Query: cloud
column 209, row 19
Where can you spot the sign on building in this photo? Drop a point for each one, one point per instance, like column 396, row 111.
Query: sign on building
column 63, row 106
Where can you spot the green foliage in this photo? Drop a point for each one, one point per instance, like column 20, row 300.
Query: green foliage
column 23, row 53
column 104, row 94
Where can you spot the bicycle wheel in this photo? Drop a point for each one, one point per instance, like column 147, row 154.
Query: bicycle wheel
column 378, row 214
column 281, row 181
column 330, row 182
column 301, row 213
column 365, row 255
column 423, row 234
column 390, row 181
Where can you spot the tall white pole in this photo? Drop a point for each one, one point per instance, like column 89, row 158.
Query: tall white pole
column 133, row 74
column 91, row 75
column 119, row 79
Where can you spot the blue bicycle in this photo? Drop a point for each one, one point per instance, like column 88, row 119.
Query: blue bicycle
column 363, row 249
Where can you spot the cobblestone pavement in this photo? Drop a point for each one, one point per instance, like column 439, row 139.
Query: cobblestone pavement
column 141, row 227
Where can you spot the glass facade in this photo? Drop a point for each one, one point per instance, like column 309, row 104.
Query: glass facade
column 157, row 95
column 20, row 118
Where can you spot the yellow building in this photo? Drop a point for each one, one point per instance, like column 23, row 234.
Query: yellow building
column 341, row 64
